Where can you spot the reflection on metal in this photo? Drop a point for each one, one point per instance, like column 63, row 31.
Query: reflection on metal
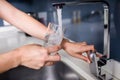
column 59, row 71
column 93, row 65
column 106, row 32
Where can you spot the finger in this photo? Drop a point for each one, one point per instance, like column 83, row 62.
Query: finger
column 99, row 54
column 88, row 55
column 49, row 63
column 31, row 65
column 53, row 58
column 52, row 49
column 87, row 48
column 81, row 57
column 82, row 43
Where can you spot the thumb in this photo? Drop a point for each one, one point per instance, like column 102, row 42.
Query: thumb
column 53, row 49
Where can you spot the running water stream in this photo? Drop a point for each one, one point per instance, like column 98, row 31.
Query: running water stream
column 59, row 14
column 54, row 39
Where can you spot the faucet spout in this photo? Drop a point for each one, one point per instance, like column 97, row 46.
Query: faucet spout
column 58, row 5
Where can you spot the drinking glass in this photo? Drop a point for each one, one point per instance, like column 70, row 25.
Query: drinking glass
column 55, row 36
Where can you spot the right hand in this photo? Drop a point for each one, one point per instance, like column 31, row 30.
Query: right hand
column 35, row 56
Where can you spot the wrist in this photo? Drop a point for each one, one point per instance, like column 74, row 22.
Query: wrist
column 16, row 58
column 64, row 43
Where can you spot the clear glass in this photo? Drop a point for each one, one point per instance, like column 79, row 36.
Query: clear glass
column 55, row 37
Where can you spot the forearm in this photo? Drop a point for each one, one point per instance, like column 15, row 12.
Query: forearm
column 21, row 20
column 9, row 60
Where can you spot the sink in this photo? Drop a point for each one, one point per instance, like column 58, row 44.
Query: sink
column 68, row 68
column 59, row 71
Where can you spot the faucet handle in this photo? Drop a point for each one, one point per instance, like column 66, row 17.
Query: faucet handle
column 102, row 61
column 97, row 63
column 93, row 65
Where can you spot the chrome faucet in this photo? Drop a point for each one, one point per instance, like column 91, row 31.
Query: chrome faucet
column 95, row 66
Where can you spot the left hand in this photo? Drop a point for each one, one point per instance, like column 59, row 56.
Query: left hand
column 76, row 49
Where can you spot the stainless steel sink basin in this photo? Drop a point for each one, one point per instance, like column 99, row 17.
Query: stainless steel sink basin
column 59, row 71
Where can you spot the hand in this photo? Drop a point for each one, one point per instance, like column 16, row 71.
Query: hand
column 77, row 49
column 35, row 56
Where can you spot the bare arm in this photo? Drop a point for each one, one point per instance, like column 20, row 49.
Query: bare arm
column 21, row 20
column 33, row 56
column 31, row 26
column 9, row 60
